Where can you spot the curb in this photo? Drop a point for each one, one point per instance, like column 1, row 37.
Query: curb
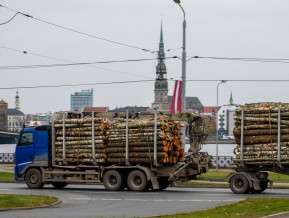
column 197, row 186
column 13, row 181
column 277, row 215
column 29, row 208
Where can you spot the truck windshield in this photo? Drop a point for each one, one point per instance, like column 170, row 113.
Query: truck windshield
column 26, row 138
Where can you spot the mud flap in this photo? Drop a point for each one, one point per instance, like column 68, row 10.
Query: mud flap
column 155, row 182
column 271, row 183
column 256, row 184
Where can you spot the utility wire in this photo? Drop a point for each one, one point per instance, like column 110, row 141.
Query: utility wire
column 85, row 84
column 274, row 60
column 237, row 80
column 136, row 81
column 79, row 32
column 82, row 33
column 76, row 31
column 10, row 19
column 75, row 64
column 68, row 61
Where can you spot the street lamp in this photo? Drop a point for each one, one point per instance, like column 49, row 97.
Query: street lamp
column 183, row 58
column 217, row 122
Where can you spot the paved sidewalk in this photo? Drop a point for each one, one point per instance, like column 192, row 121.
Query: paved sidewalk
column 7, row 168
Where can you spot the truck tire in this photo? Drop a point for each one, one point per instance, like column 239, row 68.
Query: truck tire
column 137, row 181
column 263, row 186
column 163, row 183
column 59, row 185
column 239, row 184
column 113, row 181
column 33, row 179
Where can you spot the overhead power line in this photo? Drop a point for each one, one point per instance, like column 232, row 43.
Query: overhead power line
column 10, row 19
column 84, row 84
column 76, row 31
column 69, row 61
column 237, row 80
column 135, row 81
column 83, row 33
column 274, row 60
column 75, row 64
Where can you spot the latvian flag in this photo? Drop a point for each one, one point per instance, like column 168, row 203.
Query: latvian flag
column 177, row 98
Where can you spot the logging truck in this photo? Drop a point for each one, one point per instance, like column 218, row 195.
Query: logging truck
column 117, row 150
column 262, row 146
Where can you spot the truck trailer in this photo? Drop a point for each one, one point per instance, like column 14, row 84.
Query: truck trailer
column 40, row 158
column 261, row 133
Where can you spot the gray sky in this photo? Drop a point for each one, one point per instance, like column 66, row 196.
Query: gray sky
column 223, row 28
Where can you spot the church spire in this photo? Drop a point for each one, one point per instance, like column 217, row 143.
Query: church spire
column 161, row 68
column 161, row 37
column 17, row 101
column 231, row 99
column 161, row 101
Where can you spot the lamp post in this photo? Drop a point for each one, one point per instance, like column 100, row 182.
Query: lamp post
column 217, row 123
column 183, row 58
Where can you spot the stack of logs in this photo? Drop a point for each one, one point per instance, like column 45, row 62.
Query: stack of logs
column 110, row 141
column 260, row 132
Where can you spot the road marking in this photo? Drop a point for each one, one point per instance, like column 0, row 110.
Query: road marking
column 87, row 199
column 154, row 200
column 94, row 192
column 148, row 193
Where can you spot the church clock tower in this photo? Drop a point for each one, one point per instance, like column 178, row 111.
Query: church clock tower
column 161, row 84
column 17, row 101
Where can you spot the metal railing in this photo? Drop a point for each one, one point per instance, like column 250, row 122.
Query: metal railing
column 224, row 162
column 7, row 158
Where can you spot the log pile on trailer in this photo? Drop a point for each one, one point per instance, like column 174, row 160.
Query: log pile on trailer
column 262, row 130
column 108, row 143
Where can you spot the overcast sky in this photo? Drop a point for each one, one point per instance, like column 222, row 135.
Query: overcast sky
column 223, row 28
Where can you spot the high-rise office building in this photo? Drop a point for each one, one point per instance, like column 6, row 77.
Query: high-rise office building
column 81, row 99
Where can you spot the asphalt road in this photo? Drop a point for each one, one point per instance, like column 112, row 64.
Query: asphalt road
column 95, row 201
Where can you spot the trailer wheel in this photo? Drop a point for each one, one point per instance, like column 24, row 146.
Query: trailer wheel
column 113, row 181
column 239, row 184
column 163, row 183
column 263, row 186
column 137, row 181
column 33, row 179
column 59, row 185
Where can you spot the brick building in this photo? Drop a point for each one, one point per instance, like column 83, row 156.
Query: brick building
column 3, row 115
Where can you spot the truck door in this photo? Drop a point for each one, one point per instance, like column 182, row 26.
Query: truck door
column 24, row 153
column 41, row 145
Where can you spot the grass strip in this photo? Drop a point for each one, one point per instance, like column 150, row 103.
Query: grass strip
column 5, row 176
column 22, row 201
column 203, row 184
column 250, row 207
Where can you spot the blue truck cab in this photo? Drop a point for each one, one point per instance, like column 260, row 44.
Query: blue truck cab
column 32, row 150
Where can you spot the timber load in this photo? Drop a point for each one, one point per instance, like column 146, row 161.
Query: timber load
column 110, row 141
column 261, row 137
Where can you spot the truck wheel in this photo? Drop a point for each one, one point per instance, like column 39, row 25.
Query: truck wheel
column 33, row 179
column 137, row 181
column 239, row 184
column 163, row 183
column 263, row 186
column 59, row 185
column 113, row 181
